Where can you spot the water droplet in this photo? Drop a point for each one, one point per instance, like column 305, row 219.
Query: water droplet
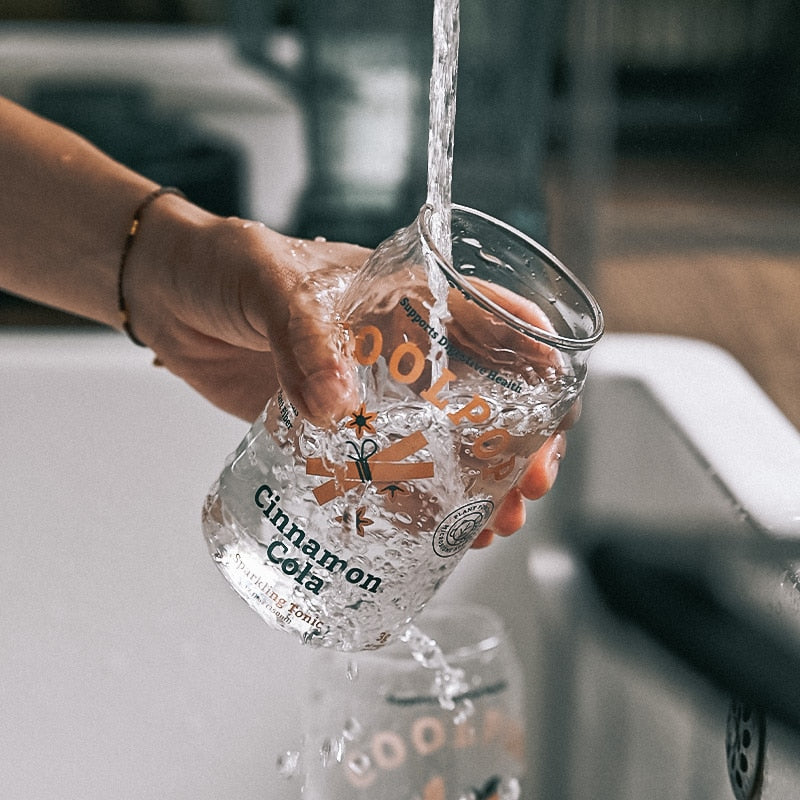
column 332, row 748
column 325, row 752
column 428, row 657
column 509, row 790
column 540, row 415
column 469, row 434
column 218, row 556
column 351, row 673
column 288, row 763
column 359, row 764
column 491, row 258
column 351, row 730
column 463, row 711
column 339, row 748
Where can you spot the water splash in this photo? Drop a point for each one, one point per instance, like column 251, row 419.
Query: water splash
column 450, row 684
column 351, row 673
column 441, row 130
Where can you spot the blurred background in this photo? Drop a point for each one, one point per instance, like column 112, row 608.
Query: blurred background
column 653, row 144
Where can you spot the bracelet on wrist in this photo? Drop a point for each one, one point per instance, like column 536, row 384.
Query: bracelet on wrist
column 126, row 249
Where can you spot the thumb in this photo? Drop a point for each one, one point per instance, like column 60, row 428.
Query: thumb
column 313, row 361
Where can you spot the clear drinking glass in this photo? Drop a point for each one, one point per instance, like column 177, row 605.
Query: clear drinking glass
column 383, row 726
column 466, row 363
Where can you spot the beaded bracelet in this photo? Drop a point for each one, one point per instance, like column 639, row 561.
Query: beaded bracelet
column 132, row 231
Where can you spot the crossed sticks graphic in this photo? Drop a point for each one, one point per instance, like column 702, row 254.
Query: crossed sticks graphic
column 371, row 464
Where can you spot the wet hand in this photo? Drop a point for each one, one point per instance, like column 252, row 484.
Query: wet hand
column 537, row 480
column 219, row 302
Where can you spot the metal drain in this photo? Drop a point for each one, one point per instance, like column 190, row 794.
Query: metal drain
column 744, row 747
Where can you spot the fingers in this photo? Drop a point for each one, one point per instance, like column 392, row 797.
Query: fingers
column 233, row 379
column 572, row 416
column 483, row 539
column 514, row 304
column 542, row 470
column 476, row 329
column 510, row 517
column 537, row 480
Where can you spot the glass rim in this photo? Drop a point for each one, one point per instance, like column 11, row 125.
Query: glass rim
column 540, row 334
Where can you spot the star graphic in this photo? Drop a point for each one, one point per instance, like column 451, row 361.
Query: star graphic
column 361, row 420
column 361, row 520
column 392, row 489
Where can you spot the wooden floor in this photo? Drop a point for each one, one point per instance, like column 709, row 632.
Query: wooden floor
column 699, row 251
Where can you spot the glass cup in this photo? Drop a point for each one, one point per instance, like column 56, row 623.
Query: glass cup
column 439, row 717
column 466, row 364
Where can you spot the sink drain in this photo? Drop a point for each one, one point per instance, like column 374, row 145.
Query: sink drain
column 744, row 747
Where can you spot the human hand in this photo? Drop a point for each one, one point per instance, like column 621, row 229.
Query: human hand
column 218, row 301
column 478, row 334
column 536, row 482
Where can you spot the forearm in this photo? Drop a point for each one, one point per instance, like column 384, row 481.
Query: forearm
column 65, row 209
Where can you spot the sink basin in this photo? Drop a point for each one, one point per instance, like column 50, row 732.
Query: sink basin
column 131, row 670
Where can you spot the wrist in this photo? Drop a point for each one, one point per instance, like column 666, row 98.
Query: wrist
column 133, row 230
column 165, row 240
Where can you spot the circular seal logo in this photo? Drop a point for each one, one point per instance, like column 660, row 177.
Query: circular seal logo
column 457, row 530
